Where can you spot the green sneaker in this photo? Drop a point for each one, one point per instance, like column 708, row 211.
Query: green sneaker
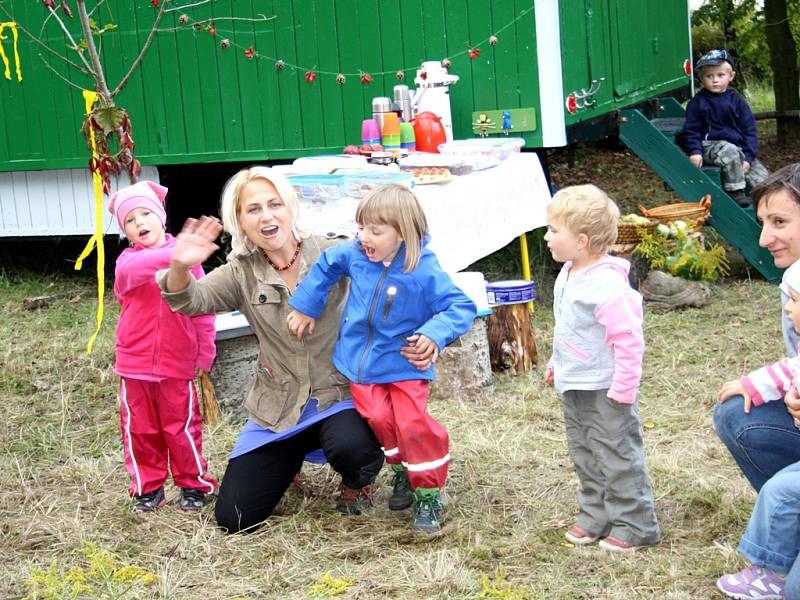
column 402, row 496
column 429, row 511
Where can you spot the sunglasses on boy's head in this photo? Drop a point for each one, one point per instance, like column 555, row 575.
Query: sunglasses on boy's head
column 716, row 55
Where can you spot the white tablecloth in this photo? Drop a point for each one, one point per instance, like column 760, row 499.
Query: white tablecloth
column 469, row 218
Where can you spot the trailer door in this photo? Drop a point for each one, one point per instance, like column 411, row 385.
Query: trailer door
column 649, row 42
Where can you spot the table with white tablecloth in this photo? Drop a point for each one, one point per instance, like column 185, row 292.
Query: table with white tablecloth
column 469, row 218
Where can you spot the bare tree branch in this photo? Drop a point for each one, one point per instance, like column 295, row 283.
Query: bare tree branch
column 45, row 46
column 185, row 6
column 64, row 79
column 75, row 46
column 147, row 43
column 99, row 75
column 98, row 5
column 257, row 19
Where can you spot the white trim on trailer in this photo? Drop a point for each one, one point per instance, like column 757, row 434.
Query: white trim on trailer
column 55, row 202
column 551, row 87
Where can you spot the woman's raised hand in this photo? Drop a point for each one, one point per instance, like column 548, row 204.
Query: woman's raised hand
column 195, row 242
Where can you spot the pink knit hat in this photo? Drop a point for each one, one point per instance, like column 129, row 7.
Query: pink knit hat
column 144, row 194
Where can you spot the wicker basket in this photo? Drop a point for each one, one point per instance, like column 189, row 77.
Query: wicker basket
column 696, row 212
column 628, row 233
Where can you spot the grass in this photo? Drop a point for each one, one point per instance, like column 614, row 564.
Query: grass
column 67, row 530
column 511, row 491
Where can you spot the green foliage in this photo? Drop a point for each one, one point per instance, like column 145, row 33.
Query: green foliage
column 739, row 26
column 676, row 249
column 101, row 576
column 329, row 586
column 499, row 588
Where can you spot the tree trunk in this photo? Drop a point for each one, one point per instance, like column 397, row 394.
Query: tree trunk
column 511, row 341
column 785, row 76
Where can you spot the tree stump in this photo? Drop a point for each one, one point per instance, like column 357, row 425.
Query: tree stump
column 512, row 345
column 464, row 370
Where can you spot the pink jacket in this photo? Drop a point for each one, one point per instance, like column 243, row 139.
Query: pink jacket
column 152, row 341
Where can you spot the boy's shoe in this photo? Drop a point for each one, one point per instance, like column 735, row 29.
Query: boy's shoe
column 428, row 511
column 402, row 496
column 580, row 537
column 150, row 501
column 740, row 198
column 354, row 501
column 192, row 500
column 752, row 583
column 613, row 544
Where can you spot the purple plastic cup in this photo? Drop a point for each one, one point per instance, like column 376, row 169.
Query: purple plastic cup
column 370, row 132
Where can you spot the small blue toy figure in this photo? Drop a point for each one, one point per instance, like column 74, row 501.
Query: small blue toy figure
column 483, row 125
column 507, row 126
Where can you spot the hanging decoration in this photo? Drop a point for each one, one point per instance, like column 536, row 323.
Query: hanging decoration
column 12, row 25
column 472, row 51
column 90, row 99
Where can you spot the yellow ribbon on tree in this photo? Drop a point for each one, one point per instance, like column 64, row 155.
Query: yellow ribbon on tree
column 96, row 239
column 13, row 26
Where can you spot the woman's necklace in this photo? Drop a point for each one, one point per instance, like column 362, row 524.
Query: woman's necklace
column 291, row 260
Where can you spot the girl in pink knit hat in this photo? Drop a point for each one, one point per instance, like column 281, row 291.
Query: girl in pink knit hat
column 158, row 354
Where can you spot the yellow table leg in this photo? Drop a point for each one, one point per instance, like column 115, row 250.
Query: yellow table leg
column 526, row 263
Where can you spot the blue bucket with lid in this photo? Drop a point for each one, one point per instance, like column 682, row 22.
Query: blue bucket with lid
column 511, row 292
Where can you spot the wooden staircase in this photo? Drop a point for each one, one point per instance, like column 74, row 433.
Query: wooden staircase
column 654, row 142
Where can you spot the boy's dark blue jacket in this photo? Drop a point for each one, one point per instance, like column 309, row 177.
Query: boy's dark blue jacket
column 724, row 116
column 376, row 321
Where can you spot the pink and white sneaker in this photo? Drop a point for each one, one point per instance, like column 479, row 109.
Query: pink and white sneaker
column 580, row 537
column 752, row 583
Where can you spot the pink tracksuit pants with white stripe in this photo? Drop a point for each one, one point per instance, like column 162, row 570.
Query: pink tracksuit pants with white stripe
column 408, row 434
column 162, row 430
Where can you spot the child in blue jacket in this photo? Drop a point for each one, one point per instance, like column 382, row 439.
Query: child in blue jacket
column 398, row 295
column 720, row 128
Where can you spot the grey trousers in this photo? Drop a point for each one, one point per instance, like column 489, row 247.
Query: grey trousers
column 729, row 157
column 605, row 442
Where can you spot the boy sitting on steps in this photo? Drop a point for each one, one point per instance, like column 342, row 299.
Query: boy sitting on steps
column 720, row 128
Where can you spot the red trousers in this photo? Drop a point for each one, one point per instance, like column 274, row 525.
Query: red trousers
column 408, row 434
column 162, row 430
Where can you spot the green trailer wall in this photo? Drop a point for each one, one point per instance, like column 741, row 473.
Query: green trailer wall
column 192, row 101
column 638, row 47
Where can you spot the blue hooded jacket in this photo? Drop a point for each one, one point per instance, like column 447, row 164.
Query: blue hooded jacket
column 385, row 306
column 725, row 116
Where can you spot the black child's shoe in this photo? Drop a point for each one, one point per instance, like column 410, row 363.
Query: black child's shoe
column 150, row 501
column 192, row 500
column 402, row 496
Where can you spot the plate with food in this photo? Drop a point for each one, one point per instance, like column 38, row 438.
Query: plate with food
column 429, row 175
